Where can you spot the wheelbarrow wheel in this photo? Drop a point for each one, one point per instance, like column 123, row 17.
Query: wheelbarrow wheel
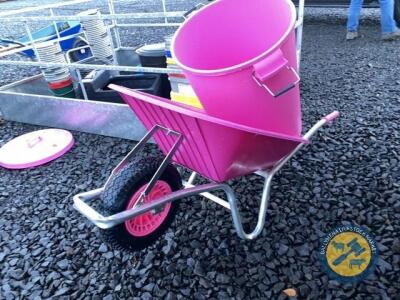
column 123, row 191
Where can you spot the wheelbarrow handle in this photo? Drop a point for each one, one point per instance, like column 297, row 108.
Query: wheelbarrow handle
column 332, row 116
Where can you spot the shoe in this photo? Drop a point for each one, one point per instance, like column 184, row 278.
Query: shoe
column 351, row 35
column 391, row 36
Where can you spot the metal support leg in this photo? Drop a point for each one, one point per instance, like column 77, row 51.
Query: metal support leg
column 133, row 152
column 93, row 215
column 268, row 175
column 139, row 146
column 192, row 178
column 237, row 221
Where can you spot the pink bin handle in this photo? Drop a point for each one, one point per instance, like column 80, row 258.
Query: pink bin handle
column 271, row 66
column 332, row 116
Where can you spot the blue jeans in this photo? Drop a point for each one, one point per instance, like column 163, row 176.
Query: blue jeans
column 388, row 24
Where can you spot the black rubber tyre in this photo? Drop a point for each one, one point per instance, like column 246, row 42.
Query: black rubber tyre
column 118, row 193
column 397, row 12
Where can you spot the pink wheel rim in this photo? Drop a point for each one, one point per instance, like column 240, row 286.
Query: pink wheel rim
column 147, row 223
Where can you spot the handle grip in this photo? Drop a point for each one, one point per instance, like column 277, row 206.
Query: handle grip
column 271, row 66
column 281, row 91
column 33, row 142
column 332, row 116
column 284, row 90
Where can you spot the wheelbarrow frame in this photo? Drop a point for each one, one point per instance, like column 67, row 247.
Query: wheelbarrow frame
column 106, row 222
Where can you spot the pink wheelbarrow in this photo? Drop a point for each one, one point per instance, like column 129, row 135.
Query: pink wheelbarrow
column 141, row 196
column 251, row 123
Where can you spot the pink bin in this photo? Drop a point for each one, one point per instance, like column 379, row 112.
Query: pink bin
column 240, row 57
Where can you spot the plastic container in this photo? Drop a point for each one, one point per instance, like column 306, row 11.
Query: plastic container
column 244, row 68
column 97, row 35
column 50, row 52
column 66, row 92
column 191, row 100
column 176, row 75
column 170, row 61
column 60, row 84
column 152, row 55
column 181, row 85
column 70, row 94
column 147, row 83
column 63, row 90
column 174, row 67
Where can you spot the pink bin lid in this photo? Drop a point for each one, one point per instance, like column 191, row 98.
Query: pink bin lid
column 35, row 148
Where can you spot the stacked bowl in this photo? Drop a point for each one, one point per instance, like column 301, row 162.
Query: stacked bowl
column 63, row 88
column 58, row 78
column 97, row 36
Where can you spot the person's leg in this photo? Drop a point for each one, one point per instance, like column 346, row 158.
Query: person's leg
column 388, row 23
column 354, row 15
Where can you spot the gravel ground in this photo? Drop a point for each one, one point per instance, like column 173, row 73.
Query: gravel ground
column 350, row 174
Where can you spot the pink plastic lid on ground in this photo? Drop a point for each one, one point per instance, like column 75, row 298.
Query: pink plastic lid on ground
column 35, row 148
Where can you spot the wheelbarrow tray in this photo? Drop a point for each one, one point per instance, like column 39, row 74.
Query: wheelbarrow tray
column 215, row 148
column 49, row 33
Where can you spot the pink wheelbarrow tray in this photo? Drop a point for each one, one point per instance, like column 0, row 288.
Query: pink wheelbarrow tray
column 214, row 148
